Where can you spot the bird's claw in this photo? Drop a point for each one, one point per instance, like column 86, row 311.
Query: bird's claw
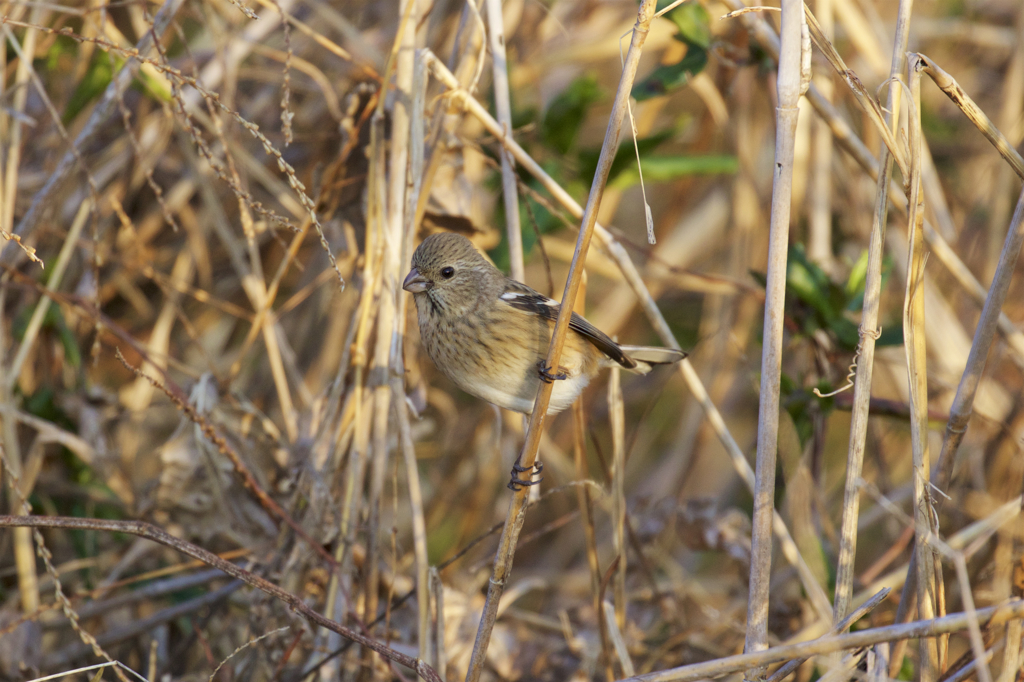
column 516, row 483
column 547, row 376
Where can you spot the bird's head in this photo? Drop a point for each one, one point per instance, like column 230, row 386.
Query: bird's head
column 449, row 270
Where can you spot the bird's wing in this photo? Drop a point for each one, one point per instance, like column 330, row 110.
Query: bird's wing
column 524, row 298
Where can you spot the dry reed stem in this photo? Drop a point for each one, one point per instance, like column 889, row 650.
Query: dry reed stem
column 419, row 527
column 819, row 238
column 503, row 112
column 957, row 622
column 385, row 217
column 13, row 146
column 585, row 502
column 866, row 100
column 629, row 271
column 151, row 532
column 963, row 404
column 615, row 633
column 517, row 507
column 431, row 648
column 948, row 85
column 917, row 372
column 790, row 87
column 617, row 420
column 53, row 281
column 962, row 408
column 28, row 583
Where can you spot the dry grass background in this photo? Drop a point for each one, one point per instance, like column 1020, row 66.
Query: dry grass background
column 230, row 221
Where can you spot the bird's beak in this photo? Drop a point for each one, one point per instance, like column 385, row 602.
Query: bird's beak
column 416, row 283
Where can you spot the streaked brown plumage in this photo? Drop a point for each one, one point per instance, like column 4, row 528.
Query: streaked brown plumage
column 490, row 334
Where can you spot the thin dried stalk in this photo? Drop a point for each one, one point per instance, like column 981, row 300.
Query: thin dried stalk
column 917, row 368
column 963, row 404
column 583, row 498
column 867, row 101
column 385, row 217
column 953, row 90
column 503, row 109
column 419, row 526
column 868, row 325
column 431, row 649
column 586, row 505
column 615, row 632
column 819, row 240
column 12, row 148
column 790, row 87
column 56, row 274
column 956, row 622
column 517, row 507
column 617, row 419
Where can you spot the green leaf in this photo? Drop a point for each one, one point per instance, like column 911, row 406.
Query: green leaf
column 892, row 335
column 808, row 282
column 97, row 78
column 858, row 275
column 670, row 77
column 846, row 331
column 565, row 115
column 625, row 157
column 693, row 22
column 664, row 168
column 856, row 290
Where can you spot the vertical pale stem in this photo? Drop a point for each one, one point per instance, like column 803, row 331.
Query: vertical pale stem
column 24, row 552
column 984, row 335
column 583, row 498
column 617, row 418
column 869, row 322
column 789, row 88
column 579, row 432
column 427, row 652
column 9, row 188
column 914, row 340
column 419, row 528
column 819, row 243
column 503, row 109
column 390, row 228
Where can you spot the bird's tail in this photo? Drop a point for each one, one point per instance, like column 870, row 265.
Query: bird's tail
column 646, row 356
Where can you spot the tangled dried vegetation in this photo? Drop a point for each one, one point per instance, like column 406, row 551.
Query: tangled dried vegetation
column 203, row 330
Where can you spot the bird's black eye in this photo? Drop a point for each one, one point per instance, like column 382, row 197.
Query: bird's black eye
column 448, row 272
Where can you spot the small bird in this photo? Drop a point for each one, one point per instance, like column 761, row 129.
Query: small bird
column 490, row 334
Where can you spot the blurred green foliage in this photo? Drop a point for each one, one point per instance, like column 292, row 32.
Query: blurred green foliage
column 54, row 322
column 816, row 303
column 556, row 145
column 694, row 31
column 564, row 117
column 96, row 79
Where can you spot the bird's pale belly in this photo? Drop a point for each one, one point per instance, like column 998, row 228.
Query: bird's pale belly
column 508, row 375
